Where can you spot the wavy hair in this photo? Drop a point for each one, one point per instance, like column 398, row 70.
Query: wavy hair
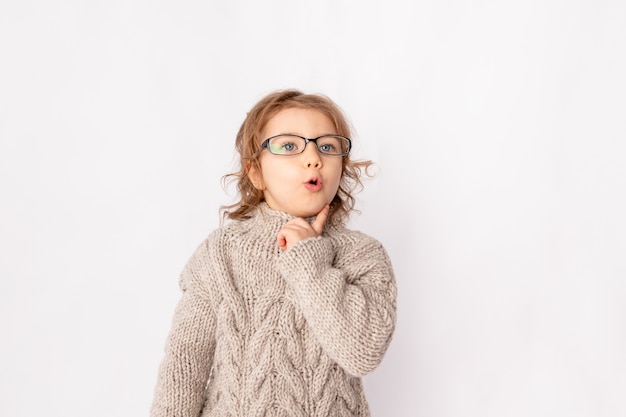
column 248, row 146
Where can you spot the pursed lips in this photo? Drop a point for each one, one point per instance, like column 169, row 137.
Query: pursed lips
column 313, row 184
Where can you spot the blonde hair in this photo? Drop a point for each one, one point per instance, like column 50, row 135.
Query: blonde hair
column 248, row 145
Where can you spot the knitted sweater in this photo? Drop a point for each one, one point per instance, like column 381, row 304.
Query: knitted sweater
column 262, row 332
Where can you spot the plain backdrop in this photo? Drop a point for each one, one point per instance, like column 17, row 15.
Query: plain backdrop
column 498, row 129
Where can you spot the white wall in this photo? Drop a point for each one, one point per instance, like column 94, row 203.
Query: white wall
column 498, row 129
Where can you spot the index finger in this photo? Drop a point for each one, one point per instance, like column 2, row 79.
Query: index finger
column 320, row 220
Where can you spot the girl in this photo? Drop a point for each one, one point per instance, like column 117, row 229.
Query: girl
column 283, row 308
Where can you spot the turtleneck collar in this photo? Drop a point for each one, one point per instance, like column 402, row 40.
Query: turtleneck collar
column 267, row 215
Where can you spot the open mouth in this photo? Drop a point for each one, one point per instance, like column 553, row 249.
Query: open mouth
column 314, row 184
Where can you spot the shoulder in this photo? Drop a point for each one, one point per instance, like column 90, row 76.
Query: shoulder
column 227, row 234
column 211, row 253
column 344, row 236
column 362, row 257
column 355, row 243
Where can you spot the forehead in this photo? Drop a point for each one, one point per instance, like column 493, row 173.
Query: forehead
column 299, row 121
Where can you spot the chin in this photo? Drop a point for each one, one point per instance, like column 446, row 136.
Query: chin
column 312, row 212
column 309, row 212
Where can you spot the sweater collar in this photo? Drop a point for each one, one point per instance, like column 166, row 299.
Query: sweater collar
column 266, row 218
column 266, row 214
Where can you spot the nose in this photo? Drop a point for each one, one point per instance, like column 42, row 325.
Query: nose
column 312, row 157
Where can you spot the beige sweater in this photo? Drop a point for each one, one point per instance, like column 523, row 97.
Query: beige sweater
column 261, row 332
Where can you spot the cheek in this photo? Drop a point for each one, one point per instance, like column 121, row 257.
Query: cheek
column 336, row 176
column 275, row 171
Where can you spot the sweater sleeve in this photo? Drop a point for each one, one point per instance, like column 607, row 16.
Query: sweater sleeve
column 184, row 371
column 347, row 298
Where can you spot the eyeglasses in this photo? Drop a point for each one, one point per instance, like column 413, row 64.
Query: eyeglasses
column 293, row 144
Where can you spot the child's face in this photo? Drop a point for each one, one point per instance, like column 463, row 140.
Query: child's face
column 302, row 184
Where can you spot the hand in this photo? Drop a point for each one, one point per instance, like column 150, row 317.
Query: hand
column 299, row 229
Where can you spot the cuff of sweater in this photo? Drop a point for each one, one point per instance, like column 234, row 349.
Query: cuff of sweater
column 308, row 257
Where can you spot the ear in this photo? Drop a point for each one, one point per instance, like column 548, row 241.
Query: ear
column 255, row 176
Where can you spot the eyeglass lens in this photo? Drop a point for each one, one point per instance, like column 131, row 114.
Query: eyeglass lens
column 292, row 145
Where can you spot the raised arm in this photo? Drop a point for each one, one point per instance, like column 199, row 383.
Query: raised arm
column 347, row 295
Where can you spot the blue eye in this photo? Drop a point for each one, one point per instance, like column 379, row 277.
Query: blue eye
column 285, row 145
column 331, row 145
column 326, row 148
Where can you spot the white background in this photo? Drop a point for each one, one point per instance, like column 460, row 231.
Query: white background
column 498, row 128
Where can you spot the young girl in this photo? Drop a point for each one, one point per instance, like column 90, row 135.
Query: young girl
column 283, row 308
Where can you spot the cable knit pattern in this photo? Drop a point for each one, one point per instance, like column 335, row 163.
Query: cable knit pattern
column 261, row 332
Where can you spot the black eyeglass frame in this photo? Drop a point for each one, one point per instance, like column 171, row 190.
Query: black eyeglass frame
column 265, row 144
